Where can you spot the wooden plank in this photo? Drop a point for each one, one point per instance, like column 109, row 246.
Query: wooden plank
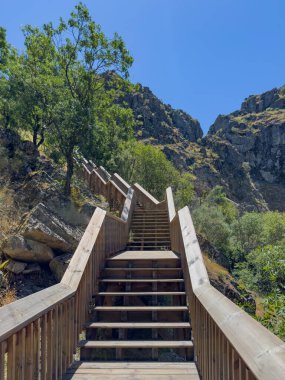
column 135, row 343
column 145, row 255
column 126, row 269
column 132, row 377
column 134, row 365
column 136, row 294
column 139, row 325
column 3, row 347
column 117, row 280
column 134, row 371
column 140, row 308
column 11, row 365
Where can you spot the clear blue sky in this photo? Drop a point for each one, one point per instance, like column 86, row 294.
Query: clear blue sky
column 203, row 56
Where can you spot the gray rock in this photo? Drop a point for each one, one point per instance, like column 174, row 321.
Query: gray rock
column 16, row 267
column 1, row 278
column 59, row 264
column 87, row 210
column 46, row 227
column 19, row 248
column 32, row 268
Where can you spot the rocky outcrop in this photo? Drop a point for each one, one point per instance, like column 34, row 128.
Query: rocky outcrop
column 26, row 250
column 243, row 151
column 46, row 227
column 271, row 99
column 160, row 122
column 250, row 146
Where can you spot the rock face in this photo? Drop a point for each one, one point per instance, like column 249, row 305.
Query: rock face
column 26, row 250
column 243, row 151
column 46, row 227
column 250, row 146
column 160, row 122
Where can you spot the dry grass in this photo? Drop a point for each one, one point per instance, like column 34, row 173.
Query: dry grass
column 10, row 213
column 8, row 296
column 213, row 267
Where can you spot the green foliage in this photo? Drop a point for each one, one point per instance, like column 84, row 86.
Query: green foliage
column 218, row 198
column 264, row 268
column 274, row 314
column 211, row 223
column 184, row 190
column 148, row 166
column 63, row 88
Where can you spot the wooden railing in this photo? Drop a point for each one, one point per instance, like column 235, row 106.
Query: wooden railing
column 39, row 333
column 228, row 343
column 113, row 188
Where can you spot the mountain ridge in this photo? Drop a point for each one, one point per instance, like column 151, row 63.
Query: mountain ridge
column 243, row 151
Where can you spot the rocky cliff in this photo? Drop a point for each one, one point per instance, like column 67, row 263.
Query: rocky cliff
column 243, row 151
column 250, row 144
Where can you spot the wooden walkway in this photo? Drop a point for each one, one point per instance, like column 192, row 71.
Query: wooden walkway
column 139, row 313
column 137, row 293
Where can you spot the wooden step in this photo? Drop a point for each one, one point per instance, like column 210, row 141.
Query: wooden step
column 138, row 269
column 150, row 238
column 150, row 243
column 132, row 371
column 154, row 255
column 139, row 294
column 149, row 223
column 136, row 343
column 118, row 280
column 140, row 308
column 165, row 233
column 150, row 247
column 138, row 325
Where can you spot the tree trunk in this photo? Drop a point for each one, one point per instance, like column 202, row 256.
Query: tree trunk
column 69, row 172
column 35, row 135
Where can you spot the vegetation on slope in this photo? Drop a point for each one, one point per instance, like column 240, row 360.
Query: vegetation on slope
column 254, row 245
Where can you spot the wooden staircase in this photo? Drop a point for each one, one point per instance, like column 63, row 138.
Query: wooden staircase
column 139, row 326
column 149, row 230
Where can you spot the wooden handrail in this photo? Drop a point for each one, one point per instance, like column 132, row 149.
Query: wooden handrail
column 228, row 343
column 39, row 333
column 170, row 204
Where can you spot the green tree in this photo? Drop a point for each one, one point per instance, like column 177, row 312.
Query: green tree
column 184, row 190
column 148, row 166
column 211, row 223
column 82, row 54
column 217, row 198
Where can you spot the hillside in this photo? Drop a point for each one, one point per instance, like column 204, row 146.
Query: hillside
column 243, row 151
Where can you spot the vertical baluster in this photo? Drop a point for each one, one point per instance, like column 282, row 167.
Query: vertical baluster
column 29, row 358
column 43, row 346
column 11, row 365
column 50, row 344
column 20, row 354
column 235, row 365
column 3, row 347
column 55, row 348
column 60, row 340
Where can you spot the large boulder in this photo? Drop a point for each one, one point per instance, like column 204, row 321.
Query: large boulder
column 46, row 227
column 59, row 264
column 19, row 248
